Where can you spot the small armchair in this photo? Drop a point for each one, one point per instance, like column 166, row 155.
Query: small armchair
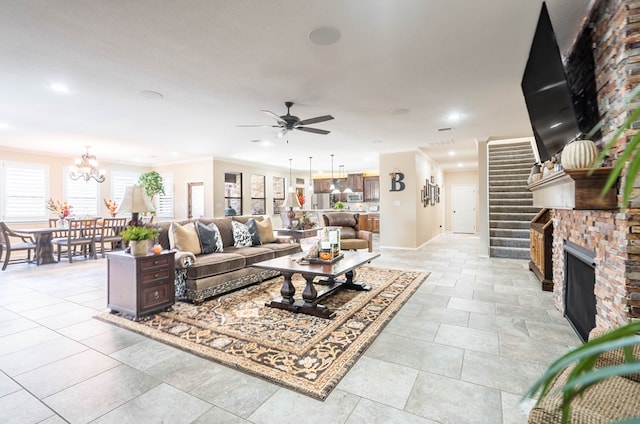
column 23, row 242
column 351, row 238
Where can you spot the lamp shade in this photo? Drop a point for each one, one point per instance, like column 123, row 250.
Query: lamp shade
column 291, row 201
column 135, row 200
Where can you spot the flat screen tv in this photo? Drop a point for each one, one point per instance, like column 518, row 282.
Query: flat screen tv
column 555, row 106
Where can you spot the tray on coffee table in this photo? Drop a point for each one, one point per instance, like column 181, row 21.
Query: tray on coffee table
column 324, row 261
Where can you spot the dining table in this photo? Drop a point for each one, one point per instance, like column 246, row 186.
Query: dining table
column 44, row 247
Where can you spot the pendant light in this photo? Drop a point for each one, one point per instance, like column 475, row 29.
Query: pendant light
column 333, row 188
column 347, row 190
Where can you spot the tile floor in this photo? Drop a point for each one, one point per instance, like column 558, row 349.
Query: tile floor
column 463, row 350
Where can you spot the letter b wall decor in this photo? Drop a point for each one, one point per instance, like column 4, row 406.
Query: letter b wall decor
column 396, row 181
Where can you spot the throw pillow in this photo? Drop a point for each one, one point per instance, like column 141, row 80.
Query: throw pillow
column 210, row 239
column 241, row 235
column 184, row 238
column 253, row 230
column 265, row 230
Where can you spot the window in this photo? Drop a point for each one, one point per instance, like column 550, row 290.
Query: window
column 278, row 194
column 164, row 202
column 258, row 199
column 119, row 183
column 24, row 191
column 233, row 193
column 81, row 195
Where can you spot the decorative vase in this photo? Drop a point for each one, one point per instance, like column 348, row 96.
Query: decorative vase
column 579, row 154
column 139, row 247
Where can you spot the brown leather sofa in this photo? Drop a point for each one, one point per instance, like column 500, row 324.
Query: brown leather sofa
column 351, row 238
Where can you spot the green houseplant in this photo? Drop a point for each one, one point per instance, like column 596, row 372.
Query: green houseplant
column 138, row 238
column 583, row 359
column 338, row 205
column 152, row 183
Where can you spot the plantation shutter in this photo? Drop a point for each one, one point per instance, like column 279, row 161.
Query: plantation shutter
column 164, row 202
column 119, row 183
column 81, row 195
column 24, row 191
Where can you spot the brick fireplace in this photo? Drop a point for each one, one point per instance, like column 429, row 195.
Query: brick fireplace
column 611, row 236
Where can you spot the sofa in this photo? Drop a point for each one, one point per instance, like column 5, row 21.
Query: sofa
column 351, row 237
column 211, row 263
column 614, row 399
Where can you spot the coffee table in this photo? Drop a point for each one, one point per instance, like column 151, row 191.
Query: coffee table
column 289, row 265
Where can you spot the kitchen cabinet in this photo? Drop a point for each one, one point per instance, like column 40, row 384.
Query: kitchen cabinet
column 322, row 185
column 371, row 189
column 363, row 222
column 355, row 182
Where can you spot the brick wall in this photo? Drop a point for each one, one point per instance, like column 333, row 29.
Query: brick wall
column 614, row 236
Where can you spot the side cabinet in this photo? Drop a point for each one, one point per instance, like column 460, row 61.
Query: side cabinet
column 541, row 241
column 140, row 285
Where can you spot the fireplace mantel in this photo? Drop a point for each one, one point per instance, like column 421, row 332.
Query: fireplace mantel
column 574, row 189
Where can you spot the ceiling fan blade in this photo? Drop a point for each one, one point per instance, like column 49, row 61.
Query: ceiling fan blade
column 259, row 126
column 313, row 130
column 316, row 120
column 274, row 116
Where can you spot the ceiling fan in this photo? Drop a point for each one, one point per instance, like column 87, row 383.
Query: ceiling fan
column 290, row 122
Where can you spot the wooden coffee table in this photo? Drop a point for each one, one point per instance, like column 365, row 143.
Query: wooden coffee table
column 289, row 265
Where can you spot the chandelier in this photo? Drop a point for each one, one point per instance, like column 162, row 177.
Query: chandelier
column 87, row 168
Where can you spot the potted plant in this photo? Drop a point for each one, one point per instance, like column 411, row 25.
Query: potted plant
column 138, row 238
column 338, row 205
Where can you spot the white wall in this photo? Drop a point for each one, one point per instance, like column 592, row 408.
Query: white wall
column 404, row 221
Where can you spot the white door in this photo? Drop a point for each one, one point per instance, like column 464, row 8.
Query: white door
column 463, row 208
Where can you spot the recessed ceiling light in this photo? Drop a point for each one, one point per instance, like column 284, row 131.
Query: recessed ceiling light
column 150, row 94
column 460, row 165
column 59, row 88
column 377, row 141
column 400, row 111
column 452, row 153
column 455, row 116
column 324, row 36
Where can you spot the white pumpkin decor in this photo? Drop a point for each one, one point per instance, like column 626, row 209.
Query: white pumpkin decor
column 579, row 154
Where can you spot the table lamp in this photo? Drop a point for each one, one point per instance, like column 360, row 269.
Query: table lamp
column 291, row 201
column 135, row 201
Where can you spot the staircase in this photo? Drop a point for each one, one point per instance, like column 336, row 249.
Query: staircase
column 510, row 203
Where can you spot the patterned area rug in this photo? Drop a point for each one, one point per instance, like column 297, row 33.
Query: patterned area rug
column 300, row 352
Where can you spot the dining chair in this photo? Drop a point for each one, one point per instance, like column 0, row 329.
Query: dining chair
column 25, row 242
column 109, row 232
column 80, row 234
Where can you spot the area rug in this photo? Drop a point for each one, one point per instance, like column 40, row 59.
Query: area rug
column 300, row 352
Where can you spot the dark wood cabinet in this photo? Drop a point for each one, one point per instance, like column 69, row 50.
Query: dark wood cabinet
column 355, row 182
column 322, row 185
column 140, row 285
column 371, row 189
column 541, row 244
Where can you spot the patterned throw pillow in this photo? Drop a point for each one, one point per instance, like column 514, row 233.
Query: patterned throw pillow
column 210, row 239
column 253, row 230
column 184, row 238
column 241, row 235
column 265, row 230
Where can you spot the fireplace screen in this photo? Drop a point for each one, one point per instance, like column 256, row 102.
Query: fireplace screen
column 579, row 283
